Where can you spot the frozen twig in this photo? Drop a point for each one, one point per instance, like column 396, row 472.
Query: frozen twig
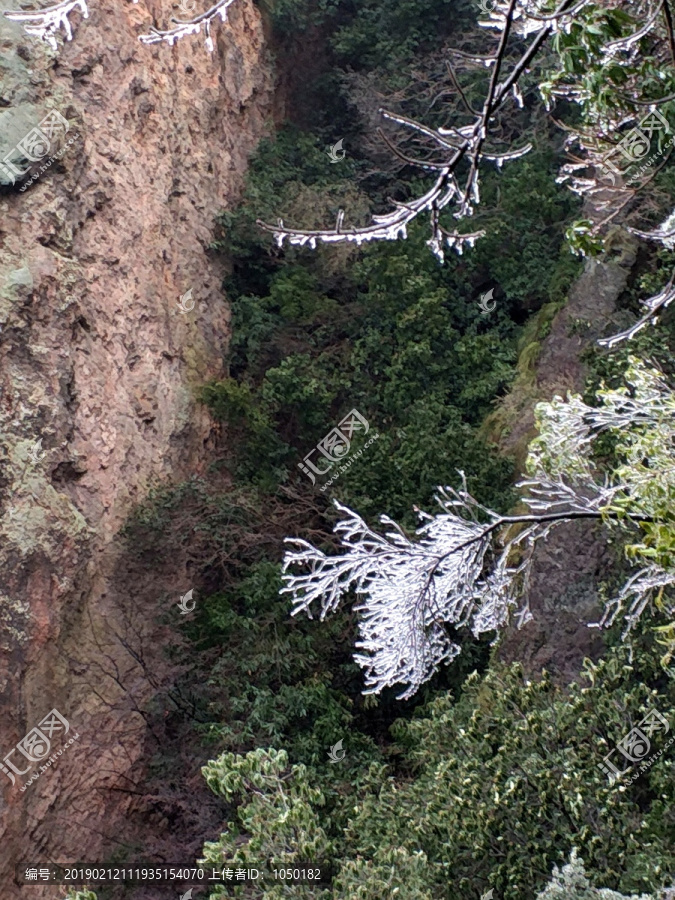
column 190, row 26
column 654, row 305
column 45, row 23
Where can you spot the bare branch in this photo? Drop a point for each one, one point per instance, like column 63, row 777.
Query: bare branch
column 668, row 16
column 458, row 88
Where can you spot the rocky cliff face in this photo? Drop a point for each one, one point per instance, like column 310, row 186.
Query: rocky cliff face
column 568, row 568
column 98, row 362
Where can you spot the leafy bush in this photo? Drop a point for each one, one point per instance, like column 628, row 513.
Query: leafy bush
column 497, row 787
column 381, row 33
column 277, row 819
column 508, row 779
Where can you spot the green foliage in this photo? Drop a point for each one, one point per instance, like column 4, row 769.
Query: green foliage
column 525, row 224
column 610, row 93
column 499, row 786
column 277, row 819
column 508, row 779
column 292, row 16
column 631, row 455
column 582, row 239
column 385, row 330
column 601, row 77
column 394, row 872
column 290, row 173
column 372, row 33
column 638, row 471
column 300, row 696
column 385, row 33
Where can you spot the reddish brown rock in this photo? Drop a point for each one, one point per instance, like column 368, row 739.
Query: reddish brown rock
column 97, row 360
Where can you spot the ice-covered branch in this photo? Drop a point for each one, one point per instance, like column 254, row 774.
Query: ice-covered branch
column 530, row 15
column 410, row 589
column 388, row 227
column 190, row 26
column 468, row 566
column 654, row 305
column 638, row 589
column 665, row 233
column 405, row 583
column 623, row 137
column 45, row 23
column 461, row 143
column 641, row 418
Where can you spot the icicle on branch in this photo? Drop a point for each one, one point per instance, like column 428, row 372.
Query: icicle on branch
column 46, row 23
column 665, row 233
column 190, row 26
column 460, row 144
column 654, row 306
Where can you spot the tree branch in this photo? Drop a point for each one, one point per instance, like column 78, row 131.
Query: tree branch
column 46, row 23
column 465, row 141
column 190, row 26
